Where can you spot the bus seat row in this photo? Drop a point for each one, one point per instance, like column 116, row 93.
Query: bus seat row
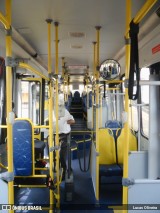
column 23, row 144
column 111, row 151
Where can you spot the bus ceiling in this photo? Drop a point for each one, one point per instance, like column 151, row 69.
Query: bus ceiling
column 76, row 32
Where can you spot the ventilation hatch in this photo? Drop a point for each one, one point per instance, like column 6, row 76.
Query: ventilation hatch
column 76, row 34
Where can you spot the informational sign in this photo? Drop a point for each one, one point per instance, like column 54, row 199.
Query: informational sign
column 77, row 67
column 156, row 49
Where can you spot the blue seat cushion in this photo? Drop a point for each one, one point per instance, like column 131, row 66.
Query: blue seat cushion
column 110, row 170
column 121, row 166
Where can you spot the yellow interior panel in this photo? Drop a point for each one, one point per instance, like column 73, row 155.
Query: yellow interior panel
column 107, row 149
column 120, row 142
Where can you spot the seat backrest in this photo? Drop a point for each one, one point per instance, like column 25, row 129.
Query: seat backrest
column 22, row 147
column 107, row 150
column 120, row 142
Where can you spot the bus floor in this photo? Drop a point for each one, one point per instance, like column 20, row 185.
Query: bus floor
column 83, row 195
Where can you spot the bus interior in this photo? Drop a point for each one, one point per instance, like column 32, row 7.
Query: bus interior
column 103, row 57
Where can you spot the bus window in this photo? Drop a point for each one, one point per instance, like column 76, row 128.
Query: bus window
column 144, row 75
column 46, row 102
column 134, row 110
column 30, row 101
column 134, row 116
column 35, row 102
column 24, row 98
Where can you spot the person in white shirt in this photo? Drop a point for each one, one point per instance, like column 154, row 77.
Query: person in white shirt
column 65, row 119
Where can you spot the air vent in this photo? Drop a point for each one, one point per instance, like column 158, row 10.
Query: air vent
column 77, row 34
column 76, row 46
column 158, row 12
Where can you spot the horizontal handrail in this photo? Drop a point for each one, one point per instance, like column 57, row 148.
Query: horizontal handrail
column 4, row 21
column 28, row 67
column 142, row 12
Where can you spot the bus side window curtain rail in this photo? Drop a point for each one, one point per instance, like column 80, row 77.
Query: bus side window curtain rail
column 134, row 61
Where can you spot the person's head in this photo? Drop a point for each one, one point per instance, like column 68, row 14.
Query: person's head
column 61, row 105
column 61, row 100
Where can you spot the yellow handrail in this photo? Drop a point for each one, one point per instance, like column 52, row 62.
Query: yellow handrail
column 28, row 67
column 3, row 126
column 3, row 166
column 32, row 176
column 126, row 125
column 94, row 58
column 141, row 13
column 4, row 21
column 97, row 112
column 41, row 127
column 94, row 75
column 49, row 21
column 56, row 111
column 9, row 102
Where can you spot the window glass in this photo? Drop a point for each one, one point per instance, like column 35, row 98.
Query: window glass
column 30, row 101
column 25, row 99
column 35, row 102
column 46, row 103
column 134, row 116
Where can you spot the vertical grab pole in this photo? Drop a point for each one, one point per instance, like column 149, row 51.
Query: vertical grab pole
column 87, row 91
column 97, row 110
column 49, row 21
column 57, row 129
column 94, row 58
column 67, row 88
column 94, row 75
column 9, row 102
column 126, row 125
column 63, row 64
column 100, row 111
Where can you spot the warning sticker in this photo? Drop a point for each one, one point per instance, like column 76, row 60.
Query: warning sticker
column 156, row 49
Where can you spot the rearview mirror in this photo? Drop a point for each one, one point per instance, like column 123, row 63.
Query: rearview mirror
column 109, row 69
